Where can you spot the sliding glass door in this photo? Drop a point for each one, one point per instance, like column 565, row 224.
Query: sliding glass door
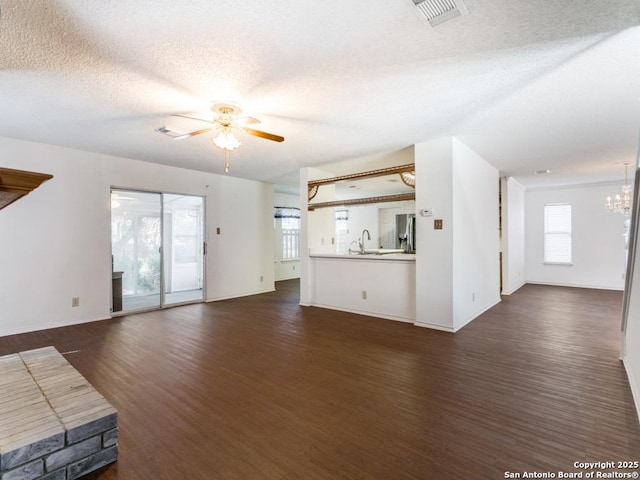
column 157, row 249
column 135, row 249
column 183, row 239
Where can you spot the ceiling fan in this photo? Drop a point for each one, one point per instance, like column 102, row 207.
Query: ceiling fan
column 226, row 119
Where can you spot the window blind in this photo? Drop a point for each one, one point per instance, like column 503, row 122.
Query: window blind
column 557, row 234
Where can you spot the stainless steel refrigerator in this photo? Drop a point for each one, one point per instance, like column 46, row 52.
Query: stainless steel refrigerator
column 406, row 232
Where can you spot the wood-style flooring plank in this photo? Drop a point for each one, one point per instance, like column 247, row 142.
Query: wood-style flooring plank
column 261, row 388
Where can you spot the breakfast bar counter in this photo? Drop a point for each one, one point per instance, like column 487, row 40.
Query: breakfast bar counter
column 371, row 284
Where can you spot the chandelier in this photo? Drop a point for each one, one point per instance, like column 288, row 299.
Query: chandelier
column 621, row 203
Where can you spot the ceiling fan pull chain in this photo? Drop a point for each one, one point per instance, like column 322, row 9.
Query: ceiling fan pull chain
column 226, row 161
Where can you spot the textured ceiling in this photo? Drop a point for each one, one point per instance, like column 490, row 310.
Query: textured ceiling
column 528, row 85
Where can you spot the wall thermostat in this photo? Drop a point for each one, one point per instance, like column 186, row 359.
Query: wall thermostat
column 426, row 212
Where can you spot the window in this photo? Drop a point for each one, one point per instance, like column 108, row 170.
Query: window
column 342, row 230
column 557, row 234
column 289, row 220
column 291, row 243
column 186, row 239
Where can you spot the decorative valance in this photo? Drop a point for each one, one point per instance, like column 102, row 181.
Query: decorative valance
column 286, row 212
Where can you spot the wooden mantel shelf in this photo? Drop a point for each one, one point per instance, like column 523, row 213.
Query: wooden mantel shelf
column 17, row 183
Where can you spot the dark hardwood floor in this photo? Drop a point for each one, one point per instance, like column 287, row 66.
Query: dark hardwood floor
column 260, row 388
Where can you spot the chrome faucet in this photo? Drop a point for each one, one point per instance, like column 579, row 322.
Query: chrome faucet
column 362, row 243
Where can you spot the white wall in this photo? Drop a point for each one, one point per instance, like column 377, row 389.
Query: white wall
column 476, row 235
column 317, row 228
column 320, row 223
column 598, row 243
column 513, row 240
column 434, row 252
column 55, row 242
column 630, row 341
column 457, row 268
column 240, row 260
column 284, row 269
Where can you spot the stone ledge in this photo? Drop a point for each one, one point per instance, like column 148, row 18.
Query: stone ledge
column 53, row 424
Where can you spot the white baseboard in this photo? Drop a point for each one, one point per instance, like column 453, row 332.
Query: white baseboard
column 240, row 295
column 363, row 312
column 434, row 326
column 46, row 326
column 572, row 285
column 514, row 290
column 458, row 326
column 634, row 387
column 286, row 277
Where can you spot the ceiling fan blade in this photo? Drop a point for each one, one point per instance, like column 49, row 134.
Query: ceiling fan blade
column 192, row 134
column 242, row 121
column 268, row 136
column 191, row 118
column 180, row 135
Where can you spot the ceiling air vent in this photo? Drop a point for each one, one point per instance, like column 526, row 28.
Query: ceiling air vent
column 440, row 11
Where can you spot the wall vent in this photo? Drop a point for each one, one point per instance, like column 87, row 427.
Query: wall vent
column 440, row 11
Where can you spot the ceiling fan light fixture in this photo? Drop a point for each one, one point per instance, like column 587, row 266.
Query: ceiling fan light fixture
column 226, row 141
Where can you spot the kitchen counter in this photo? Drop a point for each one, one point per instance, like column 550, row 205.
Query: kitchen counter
column 370, row 255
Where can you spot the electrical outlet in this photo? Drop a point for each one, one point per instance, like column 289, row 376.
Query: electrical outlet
column 473, row 297
column 261, row 278
column 294, row 267
column 217, row 230
column 364, row 294
column 437, row 224
column 75, row 302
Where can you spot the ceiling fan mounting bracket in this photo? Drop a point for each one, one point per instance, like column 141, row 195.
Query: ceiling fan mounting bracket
column 224, row 108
